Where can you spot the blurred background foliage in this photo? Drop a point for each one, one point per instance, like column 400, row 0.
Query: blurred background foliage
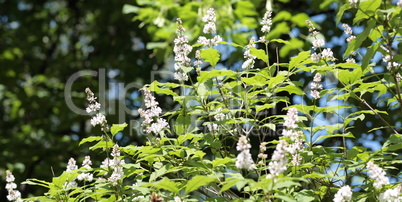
column 44, row 43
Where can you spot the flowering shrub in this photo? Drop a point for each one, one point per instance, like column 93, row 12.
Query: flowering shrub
column 202, row 150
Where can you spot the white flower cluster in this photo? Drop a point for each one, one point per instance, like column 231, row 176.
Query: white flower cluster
column 181, row 50
column 399, row 3
column 348, row 30
column 316, row 86
column 209, row 19
column 99, row 118
column 325, row 54
column 13, row 195
column 213, row 127
column 244, row 159
column 344, row 194
column 249, row 63
column 114, row 164
column 209, row 28
column 278, row 162
column 71, row 166
column 262, row 155
column 266, row 22
column 198, row 62
column 318, row 43
column 292, row 143
column 353, row 3
column 151, row 113
column 391, row 195
column 296, row 138
column 377, row 174
column 86, row 176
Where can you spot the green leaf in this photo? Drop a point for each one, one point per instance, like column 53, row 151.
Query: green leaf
column 360, row 38
column 285, row 184
column 197, row 182
column 366, row 10
column 342, row 10
column 221, row 161
column 130, row 9
column 371, row 50
column 165, row 184
column 90, row 139
column 206, row 75
column 297, row 60
column 117, row 128
column 348, row 134
column 154, row 86
column 37, row 182
column 281, row 41
column 260, row 54
column 291, row 89
column 232, row 44
column 210, row 55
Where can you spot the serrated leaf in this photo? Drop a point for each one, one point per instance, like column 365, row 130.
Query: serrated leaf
column 154, row 86
column 297, row 60
column 210, row 55
column 197, row 182
column 117, row 128
column 260, row 54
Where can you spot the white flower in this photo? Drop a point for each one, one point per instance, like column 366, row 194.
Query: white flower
column 116, row 175
column 9, row 176
column 209, row 28
column 210, row 16
column 216, row 40
column 318, row 43
column 70, row 185
column 71, row 165
column 93, row 107
column 377, row 174
column 85, row 176
column 13, row 195
column 266, row 22
column 291, row 118
column 203, row 40
column 391, row 195
column 353, row 3
column 315, row 94
column 315, row 86
column 180, row 76
column 98, row 119
column 210, row 19
column 87, row 162
column 348, row 29
column 244, row 160
column 349, row 39
column 327, row 54
column 344, row 194
column 158, row 126
column 399, row 3
column 316, row 57
column 243, row 144
column 350, row 60
column 181, row 50
column 248, row 64
column 278, row 160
